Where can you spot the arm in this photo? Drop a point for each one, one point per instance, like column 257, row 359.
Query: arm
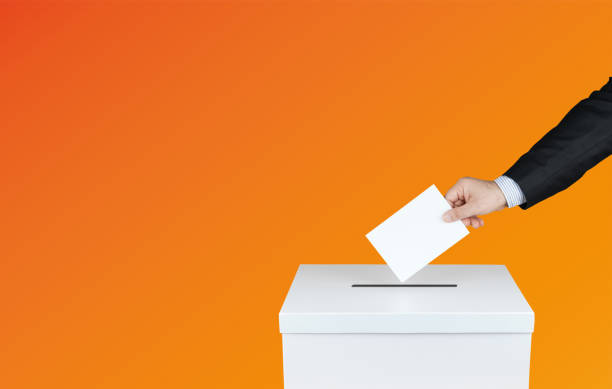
column 580, row 141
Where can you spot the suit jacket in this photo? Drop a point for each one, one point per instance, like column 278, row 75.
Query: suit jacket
column 580, row 141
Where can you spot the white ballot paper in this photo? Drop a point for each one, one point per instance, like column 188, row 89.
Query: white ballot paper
column 416, row 234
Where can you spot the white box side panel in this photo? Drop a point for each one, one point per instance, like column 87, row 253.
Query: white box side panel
column 406, row 361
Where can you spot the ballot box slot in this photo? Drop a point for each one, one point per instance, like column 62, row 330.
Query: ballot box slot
column 404, row 285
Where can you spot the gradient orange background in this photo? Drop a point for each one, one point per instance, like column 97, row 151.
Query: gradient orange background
column 165, row 168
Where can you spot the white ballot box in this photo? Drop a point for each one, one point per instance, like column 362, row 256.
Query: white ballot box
column 448, row 326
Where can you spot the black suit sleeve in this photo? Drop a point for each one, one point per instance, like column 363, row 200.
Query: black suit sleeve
column 580, row 141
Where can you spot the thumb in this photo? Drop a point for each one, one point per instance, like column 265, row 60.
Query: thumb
column 462, row 212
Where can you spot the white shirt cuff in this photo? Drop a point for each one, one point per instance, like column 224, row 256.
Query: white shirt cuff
column 511, row 190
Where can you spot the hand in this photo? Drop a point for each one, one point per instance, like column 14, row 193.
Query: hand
column 471, row 197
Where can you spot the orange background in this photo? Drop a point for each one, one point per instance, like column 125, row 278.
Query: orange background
column 165, row 168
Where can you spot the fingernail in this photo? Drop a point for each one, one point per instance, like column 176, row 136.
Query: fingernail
column 447, row 217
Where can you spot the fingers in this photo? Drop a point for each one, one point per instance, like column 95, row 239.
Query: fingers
column 462, row 209
column 458, row 203
column 462, row 212
column 473, row 221
column 454, row 194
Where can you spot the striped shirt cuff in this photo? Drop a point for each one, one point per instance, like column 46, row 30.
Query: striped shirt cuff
column 511, row 190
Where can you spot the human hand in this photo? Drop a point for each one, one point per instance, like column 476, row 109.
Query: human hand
column 471, row 197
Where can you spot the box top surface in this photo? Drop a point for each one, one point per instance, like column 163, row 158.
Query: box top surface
column 439, row 298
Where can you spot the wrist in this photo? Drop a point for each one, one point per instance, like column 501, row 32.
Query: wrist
column 511, row 191
column 499, row 198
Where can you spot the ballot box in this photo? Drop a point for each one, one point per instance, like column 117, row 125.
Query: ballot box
column 448, row 326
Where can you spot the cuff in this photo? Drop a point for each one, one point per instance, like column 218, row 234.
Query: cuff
column 511, row 190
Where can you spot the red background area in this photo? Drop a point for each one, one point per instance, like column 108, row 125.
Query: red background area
column 165, row 168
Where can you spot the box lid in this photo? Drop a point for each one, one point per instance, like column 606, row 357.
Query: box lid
column 437, row 299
